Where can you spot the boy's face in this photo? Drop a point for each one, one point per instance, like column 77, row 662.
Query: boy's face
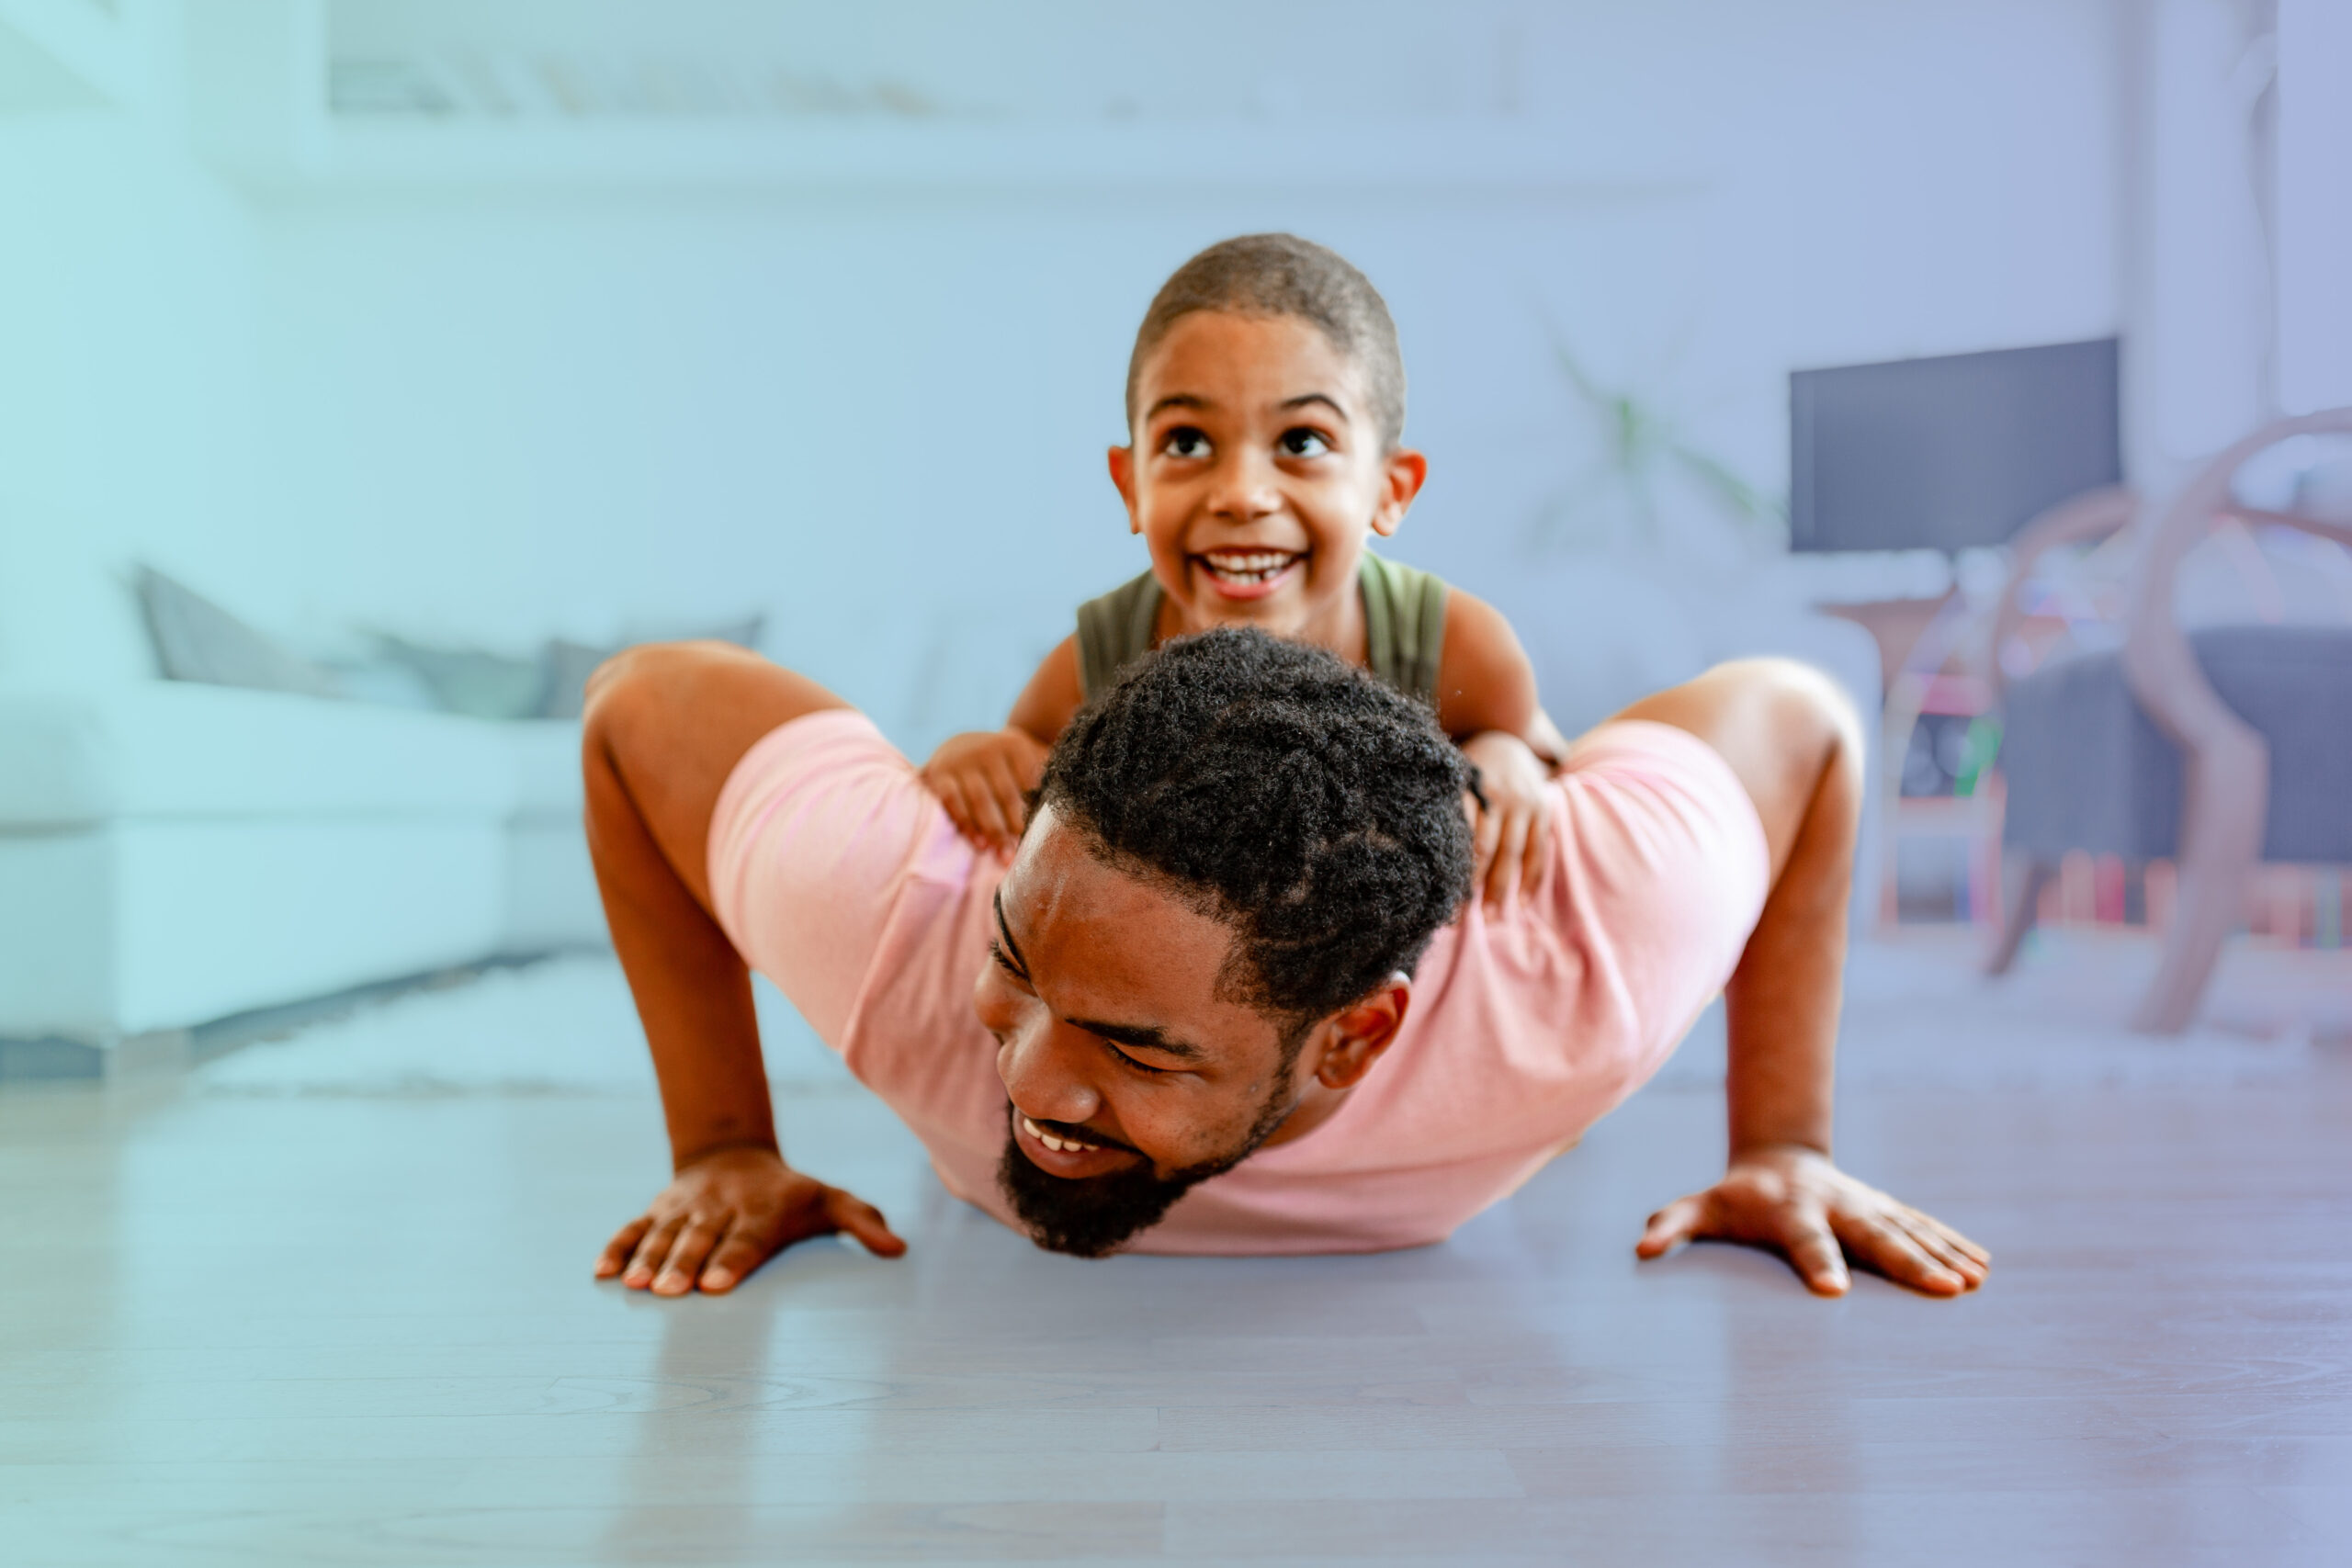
column 1257, row 473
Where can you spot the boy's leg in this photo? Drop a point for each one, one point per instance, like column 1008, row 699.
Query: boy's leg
column 664, row 727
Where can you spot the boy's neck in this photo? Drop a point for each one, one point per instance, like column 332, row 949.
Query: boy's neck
column 1337, row 624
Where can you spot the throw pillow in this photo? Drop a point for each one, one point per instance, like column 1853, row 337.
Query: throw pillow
column 469, row 681
column 198, row 641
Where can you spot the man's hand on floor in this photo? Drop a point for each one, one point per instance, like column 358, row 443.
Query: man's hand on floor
column 1796, row 1200
column 727, row 1212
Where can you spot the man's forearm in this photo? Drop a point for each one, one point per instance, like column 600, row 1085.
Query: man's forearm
column 1782, row 1003
column 693, row 991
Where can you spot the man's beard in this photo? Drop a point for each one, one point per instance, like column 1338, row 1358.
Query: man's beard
column 1090, row 1215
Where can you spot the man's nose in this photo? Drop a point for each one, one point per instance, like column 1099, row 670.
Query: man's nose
column 1043, row 1076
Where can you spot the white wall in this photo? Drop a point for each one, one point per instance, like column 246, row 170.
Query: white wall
column 129, row 394
column 500, row 413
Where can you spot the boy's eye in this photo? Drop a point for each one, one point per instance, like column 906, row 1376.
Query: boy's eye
column 1303, row 442
column 1184, row 441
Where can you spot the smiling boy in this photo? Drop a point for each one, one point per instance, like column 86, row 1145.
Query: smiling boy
column 1265, row 404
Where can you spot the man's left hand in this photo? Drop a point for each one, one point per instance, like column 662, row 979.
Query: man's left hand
column 1794, row 1200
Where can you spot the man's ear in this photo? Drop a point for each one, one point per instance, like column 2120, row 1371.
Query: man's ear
column 1355, row 1037
column 1123, row 474
column 1403, row 472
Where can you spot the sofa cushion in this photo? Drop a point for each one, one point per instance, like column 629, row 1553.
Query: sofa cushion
column 172, row 749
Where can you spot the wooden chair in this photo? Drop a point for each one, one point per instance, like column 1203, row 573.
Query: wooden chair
column 2219, row 748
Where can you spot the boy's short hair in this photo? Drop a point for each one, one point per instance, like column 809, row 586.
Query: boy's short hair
column 1282, row 275
column 1284, row 792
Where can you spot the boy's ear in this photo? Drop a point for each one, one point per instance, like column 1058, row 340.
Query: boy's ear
column 1403, row 474
column 1123, row 474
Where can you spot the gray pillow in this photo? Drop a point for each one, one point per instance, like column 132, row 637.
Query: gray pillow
column 469, row 681
column 568, row 664
column 198, row 641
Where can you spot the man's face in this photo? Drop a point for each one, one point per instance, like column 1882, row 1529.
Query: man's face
column 1129, row 1076
column 1257, row 472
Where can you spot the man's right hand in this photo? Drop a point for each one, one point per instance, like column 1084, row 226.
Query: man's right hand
column 984, row 778
column 725, row 1214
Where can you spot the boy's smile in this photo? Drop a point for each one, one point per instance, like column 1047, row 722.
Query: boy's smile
column 1256, row 476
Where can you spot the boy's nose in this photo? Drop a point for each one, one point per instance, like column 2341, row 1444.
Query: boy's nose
column 1246, row 491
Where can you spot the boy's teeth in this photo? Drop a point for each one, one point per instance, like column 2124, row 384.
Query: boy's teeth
column 1252, row 566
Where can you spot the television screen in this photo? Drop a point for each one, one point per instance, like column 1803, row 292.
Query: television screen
column 1943, row 454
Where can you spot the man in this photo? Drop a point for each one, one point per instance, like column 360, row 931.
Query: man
column 1227, row 996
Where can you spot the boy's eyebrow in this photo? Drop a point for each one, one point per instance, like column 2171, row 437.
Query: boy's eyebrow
column 1174, row 400
column 1304, row 399
column 1192, row 401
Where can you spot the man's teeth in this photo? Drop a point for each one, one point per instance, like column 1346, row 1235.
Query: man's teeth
column 1253, row 566
column 1071, row 1145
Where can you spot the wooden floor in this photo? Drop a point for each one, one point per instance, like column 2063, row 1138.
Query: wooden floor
column 357, row 1327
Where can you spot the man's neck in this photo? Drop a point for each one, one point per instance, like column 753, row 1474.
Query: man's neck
column 1317, row 1105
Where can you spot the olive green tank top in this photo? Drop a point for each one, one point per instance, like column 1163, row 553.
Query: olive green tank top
column 1404, row 624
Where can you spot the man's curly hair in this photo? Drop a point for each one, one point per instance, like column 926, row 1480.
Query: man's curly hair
column 1286, row 793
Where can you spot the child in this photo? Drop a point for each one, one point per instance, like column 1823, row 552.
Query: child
column 1266, row 404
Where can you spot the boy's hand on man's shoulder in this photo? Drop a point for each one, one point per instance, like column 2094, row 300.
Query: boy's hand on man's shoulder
column 984, row 778
column 1513, row 829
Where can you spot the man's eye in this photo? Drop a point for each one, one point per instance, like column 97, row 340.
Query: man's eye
column 1139, row 1066
column 1185, row 442
column 996, row 955
column 1304, row 443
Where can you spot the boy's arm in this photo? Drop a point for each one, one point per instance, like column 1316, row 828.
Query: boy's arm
column 1796, row 746
column 1051, row 699
column 1485, row 682
column 1487, row 702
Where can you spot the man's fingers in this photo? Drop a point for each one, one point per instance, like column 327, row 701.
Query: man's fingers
column 1930, row 1239
column 1891, row 1251
column 745, row 1246
column 864, row 1220
column 1951, row 1238
column 1814, row 1254
column 651, row 1248
column 676, row 1275
column 617, row 1251
column 1671, row 1226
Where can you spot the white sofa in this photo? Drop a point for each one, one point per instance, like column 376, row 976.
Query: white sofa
column 174, row 854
